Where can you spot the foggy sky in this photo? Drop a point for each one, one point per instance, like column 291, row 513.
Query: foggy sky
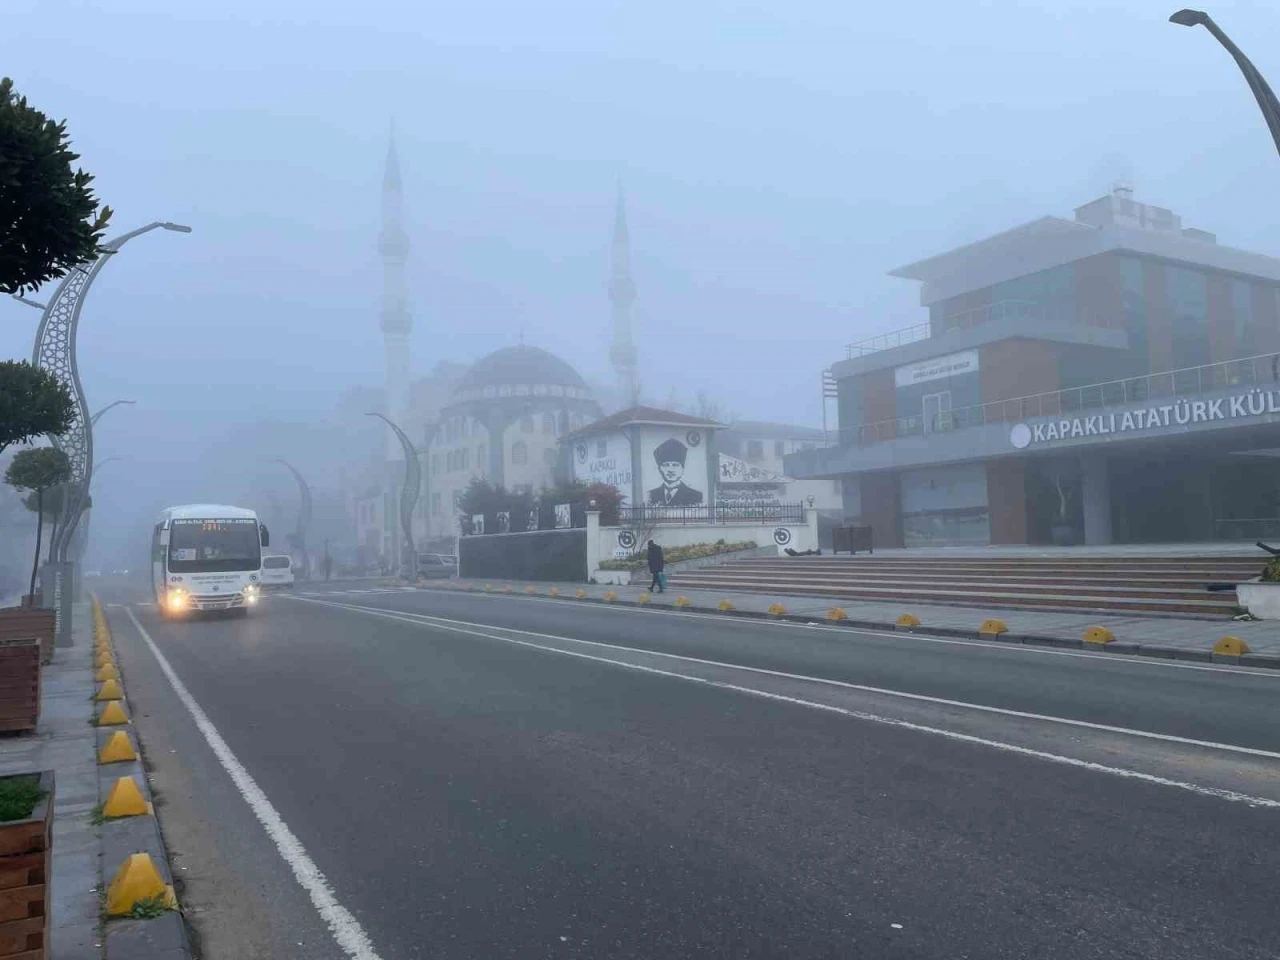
column 778, row 159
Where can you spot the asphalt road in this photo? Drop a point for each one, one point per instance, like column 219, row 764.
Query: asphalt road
column 485, row 777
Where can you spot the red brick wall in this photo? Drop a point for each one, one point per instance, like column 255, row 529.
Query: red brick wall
column 1007, row 500
column 1017, row 368
column 882, row 507
column 1266, row 320
column 879, row 402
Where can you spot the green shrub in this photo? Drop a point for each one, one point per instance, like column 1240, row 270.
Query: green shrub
column 1271, row 572
column 694, row 551
column 18, row 797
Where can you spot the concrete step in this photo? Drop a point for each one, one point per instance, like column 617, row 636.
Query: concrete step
column 1213, row 606
column 1113, row 588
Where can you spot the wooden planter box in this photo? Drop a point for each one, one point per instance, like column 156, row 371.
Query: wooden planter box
column 25, row 850
column 19, row 685
column 22, row 623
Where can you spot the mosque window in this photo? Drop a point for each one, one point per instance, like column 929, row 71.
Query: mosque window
column 519, row 452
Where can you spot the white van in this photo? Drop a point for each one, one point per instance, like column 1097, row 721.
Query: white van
column 277, row 570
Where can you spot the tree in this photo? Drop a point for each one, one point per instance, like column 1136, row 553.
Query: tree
column 53, row 506
column 49, row 217
column 33, row 402
column 38, row 470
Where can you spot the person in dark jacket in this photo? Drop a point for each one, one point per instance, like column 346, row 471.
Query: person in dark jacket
column 656, row 564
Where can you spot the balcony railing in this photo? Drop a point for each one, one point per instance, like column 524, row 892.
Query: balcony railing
column 1031, row 314
column 1190, row 381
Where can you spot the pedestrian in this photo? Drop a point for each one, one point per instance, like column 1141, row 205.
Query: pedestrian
column 656, row 564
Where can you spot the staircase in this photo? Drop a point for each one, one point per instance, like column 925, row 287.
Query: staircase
column 1121, row 583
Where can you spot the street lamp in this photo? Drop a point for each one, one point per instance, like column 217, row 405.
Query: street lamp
column 304, row 516
column 1261, row 91
column 410, row 492
column 55, row 351
column 115, row 403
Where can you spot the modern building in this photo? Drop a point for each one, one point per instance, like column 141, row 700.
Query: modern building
column 1113, row 378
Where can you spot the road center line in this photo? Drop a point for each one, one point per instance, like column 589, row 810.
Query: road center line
column 1215, row 792
column 1116, row 659
column 346, row 929
column 843, row 684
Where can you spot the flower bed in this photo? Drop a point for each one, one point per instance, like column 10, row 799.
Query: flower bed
column 694, row 551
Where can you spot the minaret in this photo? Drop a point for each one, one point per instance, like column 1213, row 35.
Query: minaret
column 622, row 293
column 393, row 245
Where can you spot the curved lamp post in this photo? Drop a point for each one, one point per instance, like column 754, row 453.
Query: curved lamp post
column 409, row 493
column 55, row 351
column 304, row 514
column 98, row 416
column 1261, row 91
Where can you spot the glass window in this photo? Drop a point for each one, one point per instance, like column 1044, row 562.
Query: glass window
column 1133, row 302
column 755, row 449
column 548, row 423
column 779, row 448
column 519, row 452
column 1242, row 314
column 1189, row 301
column 435, row 503
column 435, row 463
column 464, row 458
column 526, row 425
column 480, row 457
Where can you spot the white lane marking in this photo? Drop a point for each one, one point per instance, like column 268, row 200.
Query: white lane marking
column 1215, row 792
column 1123, row 659
column 433, row 620
column 345, row 928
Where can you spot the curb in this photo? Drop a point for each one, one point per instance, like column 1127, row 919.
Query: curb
column 1262, row 661
column 163, row 937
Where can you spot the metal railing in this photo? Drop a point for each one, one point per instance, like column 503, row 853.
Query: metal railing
column 646, row 514
column 1018, row 310
column 1190, row 381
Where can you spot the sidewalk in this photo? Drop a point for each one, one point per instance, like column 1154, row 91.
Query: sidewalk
column 64, row 742
column 1180, row 639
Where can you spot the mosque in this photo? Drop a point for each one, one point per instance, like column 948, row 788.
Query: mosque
column 501, row 418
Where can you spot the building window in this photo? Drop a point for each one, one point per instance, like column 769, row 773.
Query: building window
column 779, row 448
column 937, row 411
column 1242, row 315
column 755, row 449
column 435, row 463
column 602, row 447
column 480, row 458
column 526, row 425
column 519, row 452
column 1189, row 298
column 464, row 458
column 548, row 424
column 435, row 504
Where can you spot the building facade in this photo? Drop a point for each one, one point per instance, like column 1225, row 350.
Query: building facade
column 1114, row 378
column 504, row 424
column 764, row 447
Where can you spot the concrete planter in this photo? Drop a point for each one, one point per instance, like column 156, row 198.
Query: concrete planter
column 1260, row 599
column 26, row 847
column 614, row 578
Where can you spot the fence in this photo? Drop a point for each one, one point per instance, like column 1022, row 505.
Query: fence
column 645, row 515
column 1021, row 311
column 1191, row 381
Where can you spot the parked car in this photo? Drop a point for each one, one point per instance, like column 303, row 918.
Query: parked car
column 437, row 566
column 277, row 570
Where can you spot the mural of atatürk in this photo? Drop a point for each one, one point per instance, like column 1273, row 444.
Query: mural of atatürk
column 674, row 492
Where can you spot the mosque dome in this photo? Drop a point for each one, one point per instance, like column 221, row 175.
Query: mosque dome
column 521, row 371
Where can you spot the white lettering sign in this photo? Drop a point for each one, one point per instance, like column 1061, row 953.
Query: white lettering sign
column 1255, row 403
column 936, row 369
